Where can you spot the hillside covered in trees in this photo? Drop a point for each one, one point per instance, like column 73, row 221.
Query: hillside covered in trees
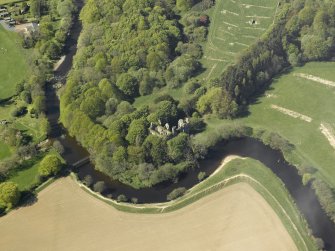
column 129, row 49
column 134, row 48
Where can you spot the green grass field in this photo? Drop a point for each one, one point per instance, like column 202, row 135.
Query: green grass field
column 13, row 64
column 26, row 178
column 305, row 97
column 32, row 126
column 4, row 151
column 11, row 1
column 231, row 31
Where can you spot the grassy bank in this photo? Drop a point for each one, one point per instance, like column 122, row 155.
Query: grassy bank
column 4, row 151
column 246, row 170
column 305, row 98
column 27, row 178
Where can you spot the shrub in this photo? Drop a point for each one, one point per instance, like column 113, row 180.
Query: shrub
column 19, row 111
column 306, row 178
column 58, row 147
column 9, row 195
column 275, row 141
column 320, row 243
column 50, row 165
column 88, row 180
column 121, row 198
column 99, row 187
column 326, row 197
column 134, row 200
column 202, row 176
column 176, row 193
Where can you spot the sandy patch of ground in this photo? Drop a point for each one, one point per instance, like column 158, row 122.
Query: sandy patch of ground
column 271, row 95
column 67, row 218
column 315, row 79
column 292, row 113
column 225, row 161
column 59, row 62
column 327, row 131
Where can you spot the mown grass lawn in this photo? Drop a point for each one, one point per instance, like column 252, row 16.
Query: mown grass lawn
column 31, row 126
column 26, row 178
column 305, row 97
column 13, row 64
column 11, row 1
column 4, row 151
column 232, row 30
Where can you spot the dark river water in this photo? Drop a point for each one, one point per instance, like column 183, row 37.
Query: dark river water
column 304, row 196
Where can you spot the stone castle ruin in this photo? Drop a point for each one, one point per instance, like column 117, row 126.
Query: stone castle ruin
column 167, row 130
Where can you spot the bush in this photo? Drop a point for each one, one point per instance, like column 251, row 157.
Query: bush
column 276, row 141
column 306, row 178
column 320, row 243
column 58, row 147
column 326, row 197
column 9, row 195
column 19, row 111
column 176, row 193
column 99, row 187
column 134, row 200
column 202, row 176
column 50, row 165
column 88, row 180
column 121, row 198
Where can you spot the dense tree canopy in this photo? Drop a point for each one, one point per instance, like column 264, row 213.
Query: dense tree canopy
column 9, row 195
column 129, row 49
column 50, row 165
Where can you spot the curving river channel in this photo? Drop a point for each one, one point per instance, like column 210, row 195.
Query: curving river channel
column 304, row 196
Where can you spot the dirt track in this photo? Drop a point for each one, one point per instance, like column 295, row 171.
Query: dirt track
column 67, row 218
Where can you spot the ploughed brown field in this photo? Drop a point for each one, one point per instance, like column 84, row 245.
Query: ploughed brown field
column 67, row 218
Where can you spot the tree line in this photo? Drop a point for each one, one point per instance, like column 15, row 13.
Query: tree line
column 302, row 32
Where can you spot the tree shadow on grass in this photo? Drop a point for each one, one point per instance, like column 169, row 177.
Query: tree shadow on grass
column 256, row 98
column 28, row 199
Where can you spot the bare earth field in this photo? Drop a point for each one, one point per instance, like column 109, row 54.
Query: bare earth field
column 67, row 218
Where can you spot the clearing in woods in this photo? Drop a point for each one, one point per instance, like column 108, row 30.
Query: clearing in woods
column 13, row 64
column 235, row 24
column 219, row 221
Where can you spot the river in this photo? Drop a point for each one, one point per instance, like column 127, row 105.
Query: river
column 304, row 196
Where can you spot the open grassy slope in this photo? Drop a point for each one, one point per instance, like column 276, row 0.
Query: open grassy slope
column 26, row 178
column 303, row 97
column 32, row 126
column 4, row 151
column 231, row 30
column 13, row 65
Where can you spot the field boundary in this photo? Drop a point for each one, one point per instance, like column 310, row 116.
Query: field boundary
column 192, row 196
column 185, row 201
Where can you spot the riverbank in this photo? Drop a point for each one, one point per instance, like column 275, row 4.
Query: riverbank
column 200, row 224
column 75, row 152
column 233, row 172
